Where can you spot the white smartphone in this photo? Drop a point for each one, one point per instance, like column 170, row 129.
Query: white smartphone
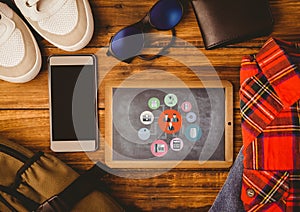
column 73, row 103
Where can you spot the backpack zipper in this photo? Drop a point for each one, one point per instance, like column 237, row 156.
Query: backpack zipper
column 14, row 153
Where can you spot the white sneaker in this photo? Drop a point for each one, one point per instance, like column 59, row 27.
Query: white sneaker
column 20, row 57
column 67, row 24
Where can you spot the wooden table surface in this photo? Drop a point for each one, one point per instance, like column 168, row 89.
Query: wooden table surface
column 24, row 108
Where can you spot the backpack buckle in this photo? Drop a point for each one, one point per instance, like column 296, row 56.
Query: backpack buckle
column 54, row 204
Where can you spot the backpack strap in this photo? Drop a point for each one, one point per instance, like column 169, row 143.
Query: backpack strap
column 77, row 190
column 25, row 201
column 7, row 204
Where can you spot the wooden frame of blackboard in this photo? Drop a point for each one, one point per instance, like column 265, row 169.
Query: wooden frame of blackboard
column 228, row 125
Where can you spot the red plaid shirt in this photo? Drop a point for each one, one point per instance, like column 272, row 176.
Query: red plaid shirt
column 270, row 110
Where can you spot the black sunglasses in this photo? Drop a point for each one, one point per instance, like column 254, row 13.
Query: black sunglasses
column 129, row 41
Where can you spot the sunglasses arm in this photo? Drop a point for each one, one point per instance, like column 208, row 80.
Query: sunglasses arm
column 163, row 51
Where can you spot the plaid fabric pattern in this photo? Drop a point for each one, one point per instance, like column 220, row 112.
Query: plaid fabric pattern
column 270, row 111
column 273, row 190
column 269, row 187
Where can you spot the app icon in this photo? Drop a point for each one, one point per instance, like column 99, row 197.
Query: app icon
column 186, row 107
column 191, row 117
column 176, row 144
column 170, row 100
column 153, row 103
column 147, row 117
column 159, row 148
column 144, row 134
column 193, row 133
column 170, row 121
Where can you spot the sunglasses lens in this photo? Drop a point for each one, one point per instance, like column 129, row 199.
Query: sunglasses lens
column 127, row 43
column 166, row 14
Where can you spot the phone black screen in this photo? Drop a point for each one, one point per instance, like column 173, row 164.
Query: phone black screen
column 73, row 103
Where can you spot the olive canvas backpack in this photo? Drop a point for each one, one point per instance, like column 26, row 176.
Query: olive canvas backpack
column 41, row 182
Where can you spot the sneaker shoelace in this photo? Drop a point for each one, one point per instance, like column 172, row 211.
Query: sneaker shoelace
column 30, row 3
column 38, row 10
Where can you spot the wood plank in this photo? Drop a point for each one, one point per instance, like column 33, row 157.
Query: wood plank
column 167, row 190
column 30, row 128
column 111, row 16
column 24, row 114
column 34, row 94
column 190, row 54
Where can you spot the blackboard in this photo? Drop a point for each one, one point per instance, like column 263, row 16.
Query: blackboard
column 168, row 124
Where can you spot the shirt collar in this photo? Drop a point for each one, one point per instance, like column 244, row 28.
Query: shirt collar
column 273, row 57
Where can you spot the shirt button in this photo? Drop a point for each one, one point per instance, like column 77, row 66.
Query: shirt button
column 250, row 192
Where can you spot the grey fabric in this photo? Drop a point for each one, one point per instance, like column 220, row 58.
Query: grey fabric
column 228, row 199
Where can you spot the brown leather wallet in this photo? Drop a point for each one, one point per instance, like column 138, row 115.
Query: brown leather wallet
column 223, row 22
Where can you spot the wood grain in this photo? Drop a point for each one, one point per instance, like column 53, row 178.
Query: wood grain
column 24, row 108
